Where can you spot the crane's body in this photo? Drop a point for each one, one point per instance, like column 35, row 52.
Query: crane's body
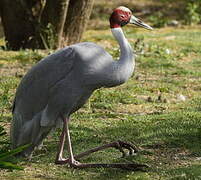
column 60, row 84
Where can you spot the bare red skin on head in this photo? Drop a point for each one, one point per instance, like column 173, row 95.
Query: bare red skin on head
column 119, row 18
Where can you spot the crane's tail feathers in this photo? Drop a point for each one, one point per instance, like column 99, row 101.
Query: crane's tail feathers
column 16, row 126
column 27, row 132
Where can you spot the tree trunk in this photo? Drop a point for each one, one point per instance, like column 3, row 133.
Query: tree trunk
column 78, row 15
column 54, row 14
column 43, row 23
column 61, row 22
column 18, row 24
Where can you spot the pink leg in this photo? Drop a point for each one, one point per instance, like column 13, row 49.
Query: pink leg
column 59, row 157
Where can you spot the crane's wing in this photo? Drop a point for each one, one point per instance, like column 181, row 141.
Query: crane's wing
column 32, row 93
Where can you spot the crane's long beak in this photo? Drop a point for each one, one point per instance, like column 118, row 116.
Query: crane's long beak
column 138, row 22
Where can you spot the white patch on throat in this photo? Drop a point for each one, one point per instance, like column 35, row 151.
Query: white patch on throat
column 126, row 50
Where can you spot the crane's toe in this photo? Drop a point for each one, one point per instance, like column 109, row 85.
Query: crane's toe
column 75, row 163
column 61, row 161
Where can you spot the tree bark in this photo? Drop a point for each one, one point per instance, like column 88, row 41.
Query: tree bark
column 20, row 19
column 78, row 15
column 54, row 14
column 17, row 23
column 61, row 22
column 44, row 23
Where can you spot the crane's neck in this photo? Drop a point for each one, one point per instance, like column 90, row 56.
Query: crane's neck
column 125, row 64
column 125, row 48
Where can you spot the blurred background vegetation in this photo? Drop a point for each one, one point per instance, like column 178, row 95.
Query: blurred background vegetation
column 47, row 22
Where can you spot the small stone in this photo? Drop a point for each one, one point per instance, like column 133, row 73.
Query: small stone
column 165, row 100
column 137, row 77
column 181, row 97
column 149, row 99
column 167, row 51
column 173, row 23
column 198, row 159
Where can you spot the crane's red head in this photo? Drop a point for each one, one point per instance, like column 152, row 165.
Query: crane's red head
column 122, row 16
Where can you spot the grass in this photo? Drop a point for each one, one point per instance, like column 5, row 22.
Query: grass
column 148, row 110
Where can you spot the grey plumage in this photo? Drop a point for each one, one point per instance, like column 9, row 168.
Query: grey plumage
column 59, row 84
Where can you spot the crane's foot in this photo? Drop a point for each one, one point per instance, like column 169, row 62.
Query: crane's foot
column 75, row 164
column 62, row 161
column 72, row 163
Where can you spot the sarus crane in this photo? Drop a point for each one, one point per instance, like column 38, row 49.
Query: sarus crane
column 62, row 82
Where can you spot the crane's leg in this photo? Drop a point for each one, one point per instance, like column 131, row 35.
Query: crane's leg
column 59, row 157
column 71, row 160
